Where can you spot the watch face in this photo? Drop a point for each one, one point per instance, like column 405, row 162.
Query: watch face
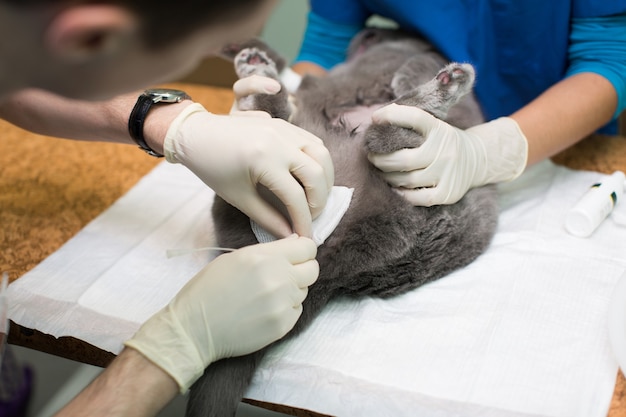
column 166, row 95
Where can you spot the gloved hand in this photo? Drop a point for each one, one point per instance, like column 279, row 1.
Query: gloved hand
column 237, row 304
column 256, row 84
column 451, row 160
column 233, row 155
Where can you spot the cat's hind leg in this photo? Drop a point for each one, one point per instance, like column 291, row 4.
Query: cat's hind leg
column 450, row 85
column 415, row 72
column 436, row 96
column 255, row 61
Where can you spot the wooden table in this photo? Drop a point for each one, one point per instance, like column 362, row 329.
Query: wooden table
column 50, row 189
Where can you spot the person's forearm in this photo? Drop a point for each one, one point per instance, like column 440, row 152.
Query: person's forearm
column 107, row 121
column 48, row 114
column 566, row 113
column 130, row 386
column 304, row 68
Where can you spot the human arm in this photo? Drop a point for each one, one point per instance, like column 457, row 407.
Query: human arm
column 130, row 386
column 304, row 68
column 331, row 25
column 456, row 160
column 105, row 121
column 237, row 304
column 593, row 93
column 262, row 151
column 559, row 118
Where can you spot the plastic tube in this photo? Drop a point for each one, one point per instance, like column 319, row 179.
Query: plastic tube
column 171, row 253
column 595, row 205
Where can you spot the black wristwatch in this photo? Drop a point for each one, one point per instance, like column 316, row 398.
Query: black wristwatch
column 144, row 103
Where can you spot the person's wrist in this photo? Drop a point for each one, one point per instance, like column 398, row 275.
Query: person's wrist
column 516, row 145
column 158, row 382
column 165, row 342
column 158, row 122
column 505, row 147
column 173, row 147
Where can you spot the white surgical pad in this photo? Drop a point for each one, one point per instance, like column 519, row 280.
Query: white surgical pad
column 521, row 331
column 337, row 205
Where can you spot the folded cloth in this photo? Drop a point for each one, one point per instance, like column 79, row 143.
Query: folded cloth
column 115, row 273
column 522, row 331
column 336, row 206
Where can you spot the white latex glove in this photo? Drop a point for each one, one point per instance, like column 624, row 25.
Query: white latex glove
column 237, row 304
column 451, row 160
column 254, row 84
column 234, row 154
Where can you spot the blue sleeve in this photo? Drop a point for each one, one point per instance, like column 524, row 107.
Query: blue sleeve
column 341, row 11
column 598, row 45
column 325, row 42
column 595, row 8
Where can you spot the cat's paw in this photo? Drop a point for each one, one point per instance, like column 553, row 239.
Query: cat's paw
column 456, row 80
column 449, row 86
column 385, row 138
column 254, row 61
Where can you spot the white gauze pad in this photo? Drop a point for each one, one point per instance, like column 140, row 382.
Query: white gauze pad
column 336, row 206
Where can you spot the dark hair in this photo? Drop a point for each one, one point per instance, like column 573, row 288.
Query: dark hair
column 164, row 21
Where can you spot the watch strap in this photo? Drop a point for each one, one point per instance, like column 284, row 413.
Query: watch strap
column 140, row 111
column 136, row 121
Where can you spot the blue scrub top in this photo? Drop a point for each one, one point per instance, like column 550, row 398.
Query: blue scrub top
column 518, row 47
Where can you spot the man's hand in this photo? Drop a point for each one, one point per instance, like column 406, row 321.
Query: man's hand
column 235, row 155
column 237, row 304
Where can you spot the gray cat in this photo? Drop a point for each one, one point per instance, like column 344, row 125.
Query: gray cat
column 383, row 246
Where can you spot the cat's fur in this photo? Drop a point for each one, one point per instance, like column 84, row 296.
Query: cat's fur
column 383, row 246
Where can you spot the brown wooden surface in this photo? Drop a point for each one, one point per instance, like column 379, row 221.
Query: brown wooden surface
column 50, row 189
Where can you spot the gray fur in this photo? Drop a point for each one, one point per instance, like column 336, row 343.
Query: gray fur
column 383, row 246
